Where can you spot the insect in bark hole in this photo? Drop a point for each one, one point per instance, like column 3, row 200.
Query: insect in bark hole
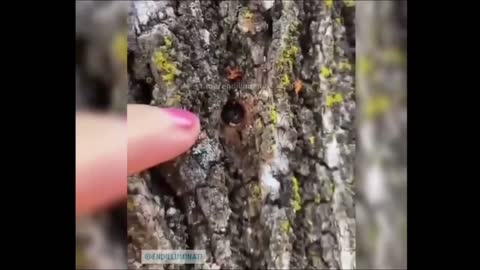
column 233, row 113
column 234, row 74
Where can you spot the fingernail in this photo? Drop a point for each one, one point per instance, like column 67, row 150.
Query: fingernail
column 183, row 119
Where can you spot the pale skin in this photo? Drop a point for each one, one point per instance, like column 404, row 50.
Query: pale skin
column 109, row 148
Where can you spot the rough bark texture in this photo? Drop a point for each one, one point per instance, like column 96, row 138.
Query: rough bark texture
column 382, row 126
column 269, row 183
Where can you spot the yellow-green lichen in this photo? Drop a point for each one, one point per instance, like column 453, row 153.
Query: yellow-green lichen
column 257, row 192
column 174, row 101
column 287, row 57
column 296, row 202
column 168, row 42
column 376, row 106
column 273, row 115
column 349, row 3
column 293, row 29
column 120, row 47
column 165, row 65
column 285, row 81
column 317, row 199
column 329, row 3
column 344, row 66
column 248, row 14
column 285, row 226
column 325, row 72
column 333, row 99
column 311, row 139
column 365, row 66
column 395, row 56
column 170, row 77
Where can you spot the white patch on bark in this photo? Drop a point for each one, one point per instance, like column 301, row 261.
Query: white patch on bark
column 281, row 163
column 196, row 10
column 144, row 10
column 327, row 121
column 285, row 260
column 268, row 182
column 320, row 54
column 268, row 4
column 205, row 36
column 332, row 157
column 347, row 242
column 170, row 12
column 374, row 187
column 211, row 265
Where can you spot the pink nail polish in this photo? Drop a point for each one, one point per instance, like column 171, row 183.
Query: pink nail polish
column 183, row 119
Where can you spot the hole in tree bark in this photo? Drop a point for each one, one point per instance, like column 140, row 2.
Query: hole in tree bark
column 142, row 91
column 233, row 113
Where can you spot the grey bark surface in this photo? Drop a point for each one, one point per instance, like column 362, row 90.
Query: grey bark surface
column 275, row 190
column 382, row 127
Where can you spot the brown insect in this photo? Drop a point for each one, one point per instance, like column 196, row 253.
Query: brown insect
column 234, row 74
column 297, row 86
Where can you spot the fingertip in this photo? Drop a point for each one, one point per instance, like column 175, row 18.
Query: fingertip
column 158, row 135
column 101, row 185
column 101, row 161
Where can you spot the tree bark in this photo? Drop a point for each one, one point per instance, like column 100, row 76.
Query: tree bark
column 382, row 126
column 269, row 183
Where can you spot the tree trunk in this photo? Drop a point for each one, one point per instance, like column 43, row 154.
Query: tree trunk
column 382, row 126
column 269, row 183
